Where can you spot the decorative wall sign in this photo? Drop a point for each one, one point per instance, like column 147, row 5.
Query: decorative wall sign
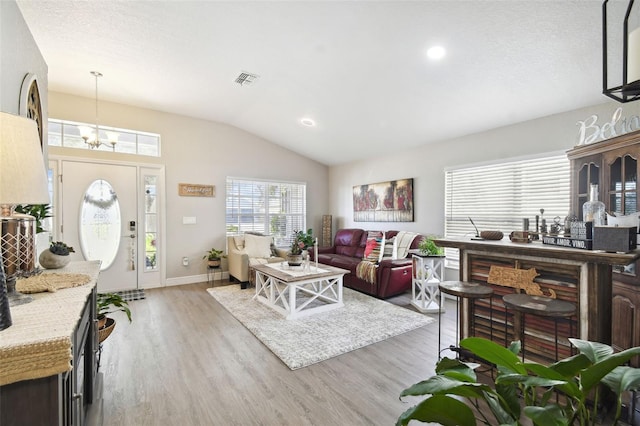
column 590, row 131
column 195, row 190
column 30, row 105
column 384, row 202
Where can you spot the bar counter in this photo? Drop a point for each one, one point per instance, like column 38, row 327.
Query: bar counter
column 583, row 277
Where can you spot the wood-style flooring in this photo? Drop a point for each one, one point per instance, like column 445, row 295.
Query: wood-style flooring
column 185, row 360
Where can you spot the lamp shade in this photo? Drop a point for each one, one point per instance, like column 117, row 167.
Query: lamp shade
column 23, row 176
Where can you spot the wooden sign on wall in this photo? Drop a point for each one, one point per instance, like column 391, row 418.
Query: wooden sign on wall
column 195, row 190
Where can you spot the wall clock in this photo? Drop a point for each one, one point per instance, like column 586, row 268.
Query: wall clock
column 30, row 105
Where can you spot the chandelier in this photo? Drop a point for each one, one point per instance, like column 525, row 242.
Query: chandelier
column 624, row 28
column 91, row 135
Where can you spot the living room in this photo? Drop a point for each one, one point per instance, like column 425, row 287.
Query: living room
column 204, row 151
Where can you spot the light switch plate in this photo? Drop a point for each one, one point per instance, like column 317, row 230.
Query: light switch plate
column 188, row 220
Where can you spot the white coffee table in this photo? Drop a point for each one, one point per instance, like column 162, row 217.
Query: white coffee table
column 296, row 293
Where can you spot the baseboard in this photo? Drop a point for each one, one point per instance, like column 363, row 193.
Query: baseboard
column 192, row 279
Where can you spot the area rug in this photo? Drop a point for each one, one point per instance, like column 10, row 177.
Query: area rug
column 298, row 343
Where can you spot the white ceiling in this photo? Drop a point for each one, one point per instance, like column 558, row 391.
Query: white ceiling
column 358, row 68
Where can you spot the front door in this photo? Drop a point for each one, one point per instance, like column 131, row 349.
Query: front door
column 99, row 219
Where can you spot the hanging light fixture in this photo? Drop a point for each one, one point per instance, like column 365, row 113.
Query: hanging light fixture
column 627, row 89
column 90, row 135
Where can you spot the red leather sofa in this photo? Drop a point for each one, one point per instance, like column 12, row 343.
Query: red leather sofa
column 393, row 277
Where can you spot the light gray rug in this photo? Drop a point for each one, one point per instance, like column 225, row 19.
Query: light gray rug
column 298, row 343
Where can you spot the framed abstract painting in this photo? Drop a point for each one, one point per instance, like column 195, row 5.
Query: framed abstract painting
column 384, row 202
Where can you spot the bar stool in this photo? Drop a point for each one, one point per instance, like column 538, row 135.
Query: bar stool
column 465, row 290
column 541, row 306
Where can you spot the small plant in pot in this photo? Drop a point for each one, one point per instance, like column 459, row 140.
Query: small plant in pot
column 428, row 247
column 56, row 256
column 214, row 257
column 301, row 241
column 107, row 303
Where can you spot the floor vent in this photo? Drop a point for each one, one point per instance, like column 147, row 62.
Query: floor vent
column 130, row 295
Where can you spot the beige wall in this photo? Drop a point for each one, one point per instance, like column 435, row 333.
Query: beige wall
column 426, row 164
column 203, row 152
column 19, row 56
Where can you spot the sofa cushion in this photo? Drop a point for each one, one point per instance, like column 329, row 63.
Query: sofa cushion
column 374, row 247
column 257, row 246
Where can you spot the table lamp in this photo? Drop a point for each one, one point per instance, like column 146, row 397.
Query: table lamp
column 23, row 180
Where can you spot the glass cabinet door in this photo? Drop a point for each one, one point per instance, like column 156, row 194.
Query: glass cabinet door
column 588, row 174
column 622, row 186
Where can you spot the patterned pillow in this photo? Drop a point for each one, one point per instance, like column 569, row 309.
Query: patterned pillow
column 390, row 249
column 374, row 249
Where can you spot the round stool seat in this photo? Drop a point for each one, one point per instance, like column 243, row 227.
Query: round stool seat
column 465, row 289
column 539, row 305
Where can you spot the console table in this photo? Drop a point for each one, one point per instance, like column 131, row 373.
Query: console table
column 48, row 368
column 582, row 277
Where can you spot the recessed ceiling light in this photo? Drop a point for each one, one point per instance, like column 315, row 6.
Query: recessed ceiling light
column 436, row 52
column 307, row 122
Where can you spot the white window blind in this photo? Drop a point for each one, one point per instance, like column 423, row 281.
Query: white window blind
column 499, row 196
column 271, row 208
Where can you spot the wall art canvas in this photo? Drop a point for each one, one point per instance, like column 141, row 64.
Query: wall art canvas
column 384, row 202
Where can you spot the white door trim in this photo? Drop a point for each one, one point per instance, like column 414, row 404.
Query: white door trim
column 160, row 169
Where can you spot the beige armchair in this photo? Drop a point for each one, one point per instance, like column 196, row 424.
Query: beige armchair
column 244, row 251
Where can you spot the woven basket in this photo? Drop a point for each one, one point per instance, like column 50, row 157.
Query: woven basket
column 105, row 331
column 491, row 235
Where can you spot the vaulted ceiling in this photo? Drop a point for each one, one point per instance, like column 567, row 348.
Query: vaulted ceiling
column 357, row 68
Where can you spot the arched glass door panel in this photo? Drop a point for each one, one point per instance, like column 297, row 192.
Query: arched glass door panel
column 100, row 223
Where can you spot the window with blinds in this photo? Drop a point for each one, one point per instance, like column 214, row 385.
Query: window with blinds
column 499, row 196
column 271, row 208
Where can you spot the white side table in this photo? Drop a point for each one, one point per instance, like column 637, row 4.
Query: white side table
column 428, row 271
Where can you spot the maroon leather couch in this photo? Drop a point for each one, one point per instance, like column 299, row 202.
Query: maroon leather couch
column 393, row 277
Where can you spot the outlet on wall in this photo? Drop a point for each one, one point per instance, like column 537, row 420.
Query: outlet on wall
column 185, row 261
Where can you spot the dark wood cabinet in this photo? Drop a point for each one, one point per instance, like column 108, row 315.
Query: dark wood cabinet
column 614, row 166
column 63, row 398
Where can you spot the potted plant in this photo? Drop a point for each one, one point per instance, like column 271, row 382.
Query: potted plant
column 214, row 257
column 56, row 256
column 523, row 389
column 107, row 303
column 301, row 241
column 428, row 247
column 38, row 211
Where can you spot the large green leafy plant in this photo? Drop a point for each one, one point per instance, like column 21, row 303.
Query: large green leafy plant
column 523, row 388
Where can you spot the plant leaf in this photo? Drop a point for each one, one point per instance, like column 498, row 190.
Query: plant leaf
column 440, row 409
column 493, row 353
column 591, row 376
column 509, row 394
column 443, row 385
column 569, row 367
column 623, row 379
column 550, row 415
column 569, row 387
column 595, row 351
column 502, row 414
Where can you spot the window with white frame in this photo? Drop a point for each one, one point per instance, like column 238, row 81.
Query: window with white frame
column 271, row 208
column 499, row 196
column 67, row 134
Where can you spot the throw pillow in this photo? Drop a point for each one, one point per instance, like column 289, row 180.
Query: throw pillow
column 257, row 246
column 374, row 249
column 390, row 249
column 239, row 240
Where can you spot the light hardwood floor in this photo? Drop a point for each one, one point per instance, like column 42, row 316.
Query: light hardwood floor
column 184, row 360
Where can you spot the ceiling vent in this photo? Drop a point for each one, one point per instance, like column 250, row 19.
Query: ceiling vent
column 246, row 78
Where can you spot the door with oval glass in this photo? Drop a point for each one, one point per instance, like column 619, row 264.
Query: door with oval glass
column 99, row 219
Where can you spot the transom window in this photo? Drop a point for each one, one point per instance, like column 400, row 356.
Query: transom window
column 271, row 208
column 499, row 196
column 67, row 134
